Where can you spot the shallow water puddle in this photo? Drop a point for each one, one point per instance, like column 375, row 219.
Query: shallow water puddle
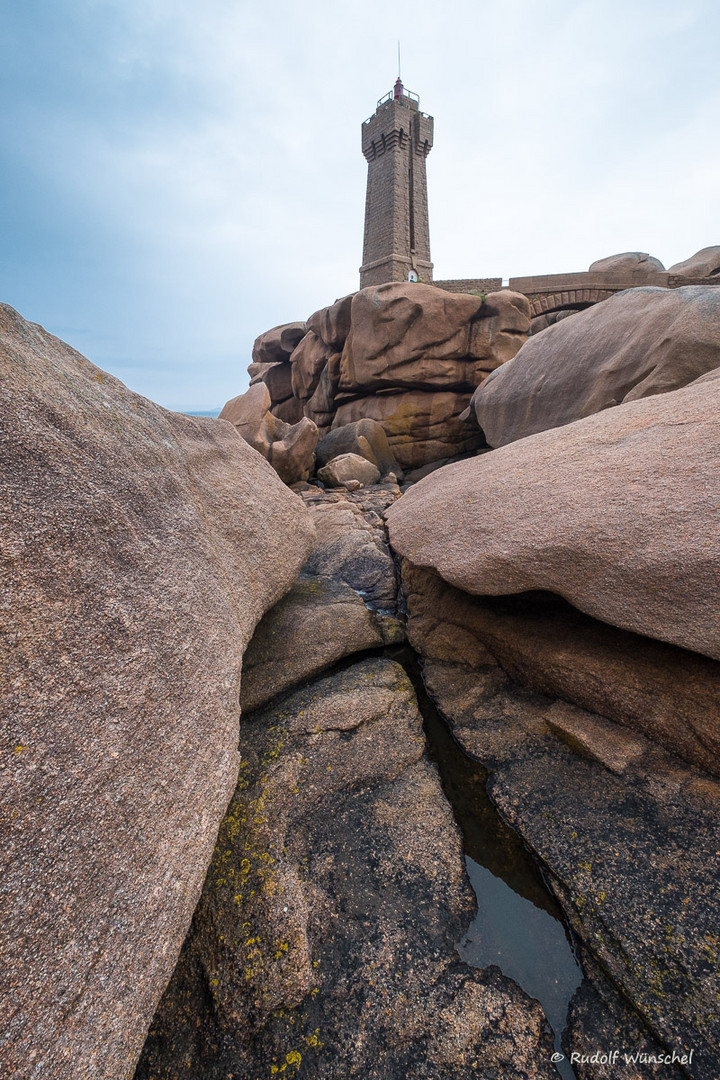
column 519, row 925
column 526, row 943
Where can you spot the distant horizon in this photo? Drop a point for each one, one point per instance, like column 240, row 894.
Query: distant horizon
column 173, row 187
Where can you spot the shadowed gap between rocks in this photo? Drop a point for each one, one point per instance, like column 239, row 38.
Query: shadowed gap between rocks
column 520, row 926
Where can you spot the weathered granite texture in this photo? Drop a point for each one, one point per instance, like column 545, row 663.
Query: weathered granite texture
column 619, row 513
column 139, row 550
column 365, row 437
column 332, row 324
column 638, row 343
column 344, row 602
column 632, row 262
column 627, row 833
column 276, row 345
column 668, row 694
column 599, row 1023
column 290, row 448
column 628, row 838
column 704, row 263
column 421, row 425
column 324, row 942
column 349, row 469
column 407, row 356
column 416, row 337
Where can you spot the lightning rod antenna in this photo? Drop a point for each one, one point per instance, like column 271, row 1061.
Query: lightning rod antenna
column 399, row 73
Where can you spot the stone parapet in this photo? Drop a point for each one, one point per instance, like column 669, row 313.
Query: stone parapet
column 469, row 285
column 553, row 292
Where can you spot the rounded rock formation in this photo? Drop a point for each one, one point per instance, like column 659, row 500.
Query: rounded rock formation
column 628, row 262
column 619, row 513
column 704, row 263
column 140, row 548
column 638, row 343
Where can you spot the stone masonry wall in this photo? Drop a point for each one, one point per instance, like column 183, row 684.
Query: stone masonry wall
column 395, row 143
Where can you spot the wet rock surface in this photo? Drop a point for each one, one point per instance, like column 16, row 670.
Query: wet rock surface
column 601, row 1026
column 627, row 834
column 324, row 941
column 632, row 859
column 352, row 542
column 344, row 601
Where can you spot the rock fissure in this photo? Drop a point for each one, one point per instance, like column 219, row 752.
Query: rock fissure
column 347, row 788
column 412, row 824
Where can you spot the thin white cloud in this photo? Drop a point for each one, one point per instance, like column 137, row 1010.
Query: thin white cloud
column 200, row 176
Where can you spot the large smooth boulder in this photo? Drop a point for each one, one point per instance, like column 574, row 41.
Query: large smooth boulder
column 628, row 262
column 139, row 550
column 638, row 343
column 421, row 426
column 619, row 513
column 418, row 337
column 704, row 263
column 290, row 448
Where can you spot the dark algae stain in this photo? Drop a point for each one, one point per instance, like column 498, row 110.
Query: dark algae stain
column 519, row 926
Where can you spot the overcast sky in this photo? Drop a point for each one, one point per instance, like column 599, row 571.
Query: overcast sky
column 178, row 176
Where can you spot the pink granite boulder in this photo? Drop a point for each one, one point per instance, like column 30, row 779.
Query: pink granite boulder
column 619, row 513
column 704, row 263
column 638, row 343
column 290, row 448
column 139, row 550
column 628, row 262
column 418, row 337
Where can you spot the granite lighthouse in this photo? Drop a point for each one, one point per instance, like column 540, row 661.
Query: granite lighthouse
column 396, row 141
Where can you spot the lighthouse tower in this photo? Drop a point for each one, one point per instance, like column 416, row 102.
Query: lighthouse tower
column 396, row 140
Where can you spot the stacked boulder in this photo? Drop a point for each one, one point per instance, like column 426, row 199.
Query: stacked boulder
column 627, row 262
column 413, row 357
column 703, row 264
column 290, row 448
column 270, row 356
column 408, row 356
column 562, row 594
